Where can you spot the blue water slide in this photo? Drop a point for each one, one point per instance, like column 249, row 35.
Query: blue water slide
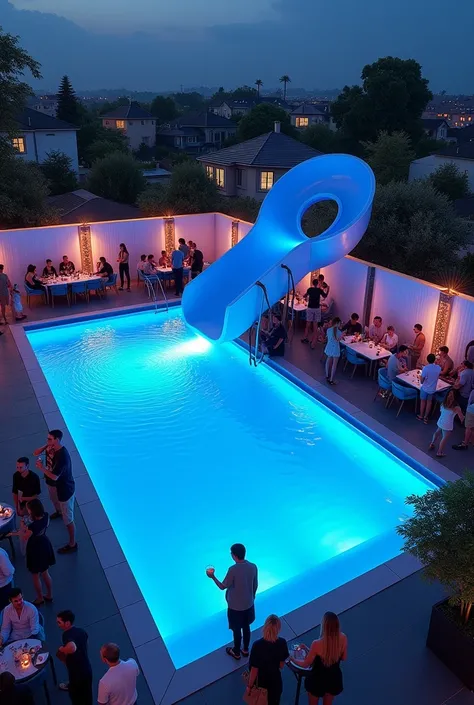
column 225, row 300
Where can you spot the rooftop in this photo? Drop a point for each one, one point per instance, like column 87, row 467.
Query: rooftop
column 273, row 149
column 464, row 150
column 82, row 206
column 202, row 119
column 307, row 109
column 133, row 111
column 30, row 119
column 433, row 123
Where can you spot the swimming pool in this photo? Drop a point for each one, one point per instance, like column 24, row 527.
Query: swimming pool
column 190, row 450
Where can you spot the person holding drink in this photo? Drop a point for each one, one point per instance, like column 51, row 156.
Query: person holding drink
column 267, row 659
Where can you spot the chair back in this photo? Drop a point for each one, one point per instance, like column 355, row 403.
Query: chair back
column 353, row 357
column 59, row 290
column 112, row 280
column 79, row 287
column 402, row 392
column 93, row 285
column 33, row 292
column 140, row 275
column 384, row 382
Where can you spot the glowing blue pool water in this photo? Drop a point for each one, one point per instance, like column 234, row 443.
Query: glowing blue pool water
column 190, row 450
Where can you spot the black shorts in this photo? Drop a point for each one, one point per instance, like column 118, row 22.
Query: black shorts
column 240, row 618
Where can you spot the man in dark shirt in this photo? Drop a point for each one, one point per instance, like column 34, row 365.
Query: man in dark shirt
column 105, row 269
column 313, row 312
column 66, row 267
column 183, row 247
column 274, row 342
column 197, row 263
column 74, row 654
column 352, row 326
column 26, row 485
column 61, row 473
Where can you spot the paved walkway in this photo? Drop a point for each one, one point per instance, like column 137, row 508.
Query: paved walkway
column 388, row 662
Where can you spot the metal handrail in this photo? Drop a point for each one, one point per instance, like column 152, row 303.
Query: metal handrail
column 151, row 290
column 254, row 357
column 290, row 289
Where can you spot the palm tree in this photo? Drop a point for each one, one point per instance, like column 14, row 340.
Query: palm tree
column 258, row 83
column 285, row 80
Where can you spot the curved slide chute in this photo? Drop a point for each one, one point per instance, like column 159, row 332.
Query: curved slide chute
column 224, row 301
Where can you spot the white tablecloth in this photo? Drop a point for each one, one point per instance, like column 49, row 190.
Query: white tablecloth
column 365, row 349
column 70, row 280
column 414, row 380
column 7, row 659
column 5, row 520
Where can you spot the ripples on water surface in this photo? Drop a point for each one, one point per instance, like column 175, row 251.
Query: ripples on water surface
column 190, row 449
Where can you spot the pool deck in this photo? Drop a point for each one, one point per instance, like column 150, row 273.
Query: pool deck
column 387, row 661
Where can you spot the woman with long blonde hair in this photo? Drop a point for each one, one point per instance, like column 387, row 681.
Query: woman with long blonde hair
column 324, row 657
column 449, row 409
column 267, row 658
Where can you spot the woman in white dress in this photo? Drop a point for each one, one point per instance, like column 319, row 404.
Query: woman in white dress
column 449, row 409
column 333, row 348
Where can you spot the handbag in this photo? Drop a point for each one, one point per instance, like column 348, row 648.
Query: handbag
column 257, row 696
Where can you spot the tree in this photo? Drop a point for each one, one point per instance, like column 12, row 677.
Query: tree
column 69, row 108
column 392, row 98
column 259, row 84
column 14, row 92
column 189, row 191
column 23, row 191
column 390, row 156
column 413, row 229
column 57, row 170
column 285, row 80
column 321, row 137
column 91, row 133
column 113, row 104
column 448, row 179
column 244, row 208
column 118, row 177
column 190, row 101
column 261, row 119
column 100, row 149
column 164, row 109
column 243, row 93
column 441, row 536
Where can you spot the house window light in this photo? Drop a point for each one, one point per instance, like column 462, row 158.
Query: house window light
column 302, row 122
column 220, row 178
column 120, row 124
column 19, row 144
column 210, row 172
column 266, row 180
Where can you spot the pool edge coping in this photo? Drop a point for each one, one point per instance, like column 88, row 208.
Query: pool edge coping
column 167, row 684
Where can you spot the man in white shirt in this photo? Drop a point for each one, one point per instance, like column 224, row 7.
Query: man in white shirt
column 20, row 619
column 375, row 330
column 429, row 381
column 6, row 577
column 119, row 685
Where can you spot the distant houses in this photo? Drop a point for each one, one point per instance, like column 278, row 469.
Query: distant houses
column 39, row 134
column 234, row 108
column 252, row 167
column 461, row 155
column 197, row 132
column 46, row 104
column 137, row 124
column 436, row 128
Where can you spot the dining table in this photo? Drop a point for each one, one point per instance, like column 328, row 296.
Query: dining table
column 299, row 652
column 7, row 517
column 368, row 349
column 413, row 379
column 76, row 278
column 23, row 658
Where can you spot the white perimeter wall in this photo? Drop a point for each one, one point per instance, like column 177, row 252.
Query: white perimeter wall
column 347, row 279
column 201, row 230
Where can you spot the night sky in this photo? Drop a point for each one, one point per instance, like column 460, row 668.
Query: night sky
column 161, row 44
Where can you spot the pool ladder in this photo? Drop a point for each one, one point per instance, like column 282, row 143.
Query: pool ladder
column 256, row 356
column 290, row 291
column 152, row 293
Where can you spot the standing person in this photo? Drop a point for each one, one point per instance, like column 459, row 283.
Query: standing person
column 333, row 348
column 267, row 659
column 197, row 263
column 39, row 551
column 6, row 577
column 324, row 657
column 124, row 266
column 20, row 620
column 61, row 473
column 418, row 344
column 5, row 288
column 50, row 483
column 183, row 247
column 26, row 485
column 17, row 306
column 119, row 685
column 240, row 584
column 469, row 424
column 74, row 654
column 449, row 409
column 429, row 381
column 464, row 383
column 313, row 312
column 177, row 261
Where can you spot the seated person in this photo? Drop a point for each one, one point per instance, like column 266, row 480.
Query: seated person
column 14, row 693
column 352, row 326
column 20, row 620
column 66, row 267
column 49, row 270
column 164, row 260
column 469, row 354
column 389, row 339
column 149, row 269
column 104, row 268
column 396, row 364
column 31, row 280
column 274, row 342
column 141, row 264
column 445, row 362
column 26, row 485
column 375, row 330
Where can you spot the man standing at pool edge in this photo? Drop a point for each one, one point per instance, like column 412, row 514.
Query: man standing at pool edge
column 240, row 584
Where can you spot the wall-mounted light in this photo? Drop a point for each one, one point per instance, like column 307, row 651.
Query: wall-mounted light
column 169, row 235
column 85, row 247
column 234, row 233
column 443, row 315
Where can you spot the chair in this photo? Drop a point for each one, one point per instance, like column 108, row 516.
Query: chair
column 59, row 290
column 9, row 526
column 354, row 359
column 78, row 288
column 404, row 394
column 384, row 385
column 96, row 285
column 111, row 283
column 33, row 292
